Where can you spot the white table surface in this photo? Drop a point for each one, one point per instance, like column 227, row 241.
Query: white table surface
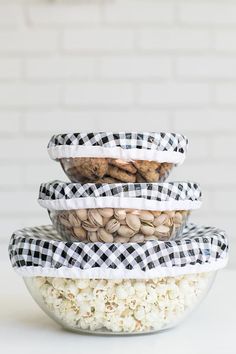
column 24, row 328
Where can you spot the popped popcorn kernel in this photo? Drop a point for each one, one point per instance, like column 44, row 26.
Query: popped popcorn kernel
column 120, row 306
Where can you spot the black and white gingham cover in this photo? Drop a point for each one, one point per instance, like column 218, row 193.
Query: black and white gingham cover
column 41, row 251
column 154, row 196
column 120, row 144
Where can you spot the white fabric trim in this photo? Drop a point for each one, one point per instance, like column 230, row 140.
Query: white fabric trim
column 100, row 273
column 67, row 151
column 116, row 202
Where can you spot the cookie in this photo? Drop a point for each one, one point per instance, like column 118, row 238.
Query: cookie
column 123, row 165
column 91, row 168
column 149, row 170
column 120, row 174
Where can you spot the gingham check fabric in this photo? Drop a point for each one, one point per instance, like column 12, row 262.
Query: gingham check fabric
column 133, row 140
column 43, row 247
column 172, row 191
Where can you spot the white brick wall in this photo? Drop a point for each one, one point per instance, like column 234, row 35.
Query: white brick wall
column 117, row 65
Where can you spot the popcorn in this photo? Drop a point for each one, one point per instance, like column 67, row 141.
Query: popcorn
column 58, row 283
column 120, row 306
column 139, row 313
column 121, row 292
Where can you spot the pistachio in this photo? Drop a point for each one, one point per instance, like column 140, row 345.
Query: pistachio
column 162, row 229
column 132, row 211
column 95, row 218
column 104, row 236
column 147, row 230
column 133, row 222
column 137, row 238
column 156, row 213
column 147, row 223
column 170, row 213
column 120, row 214
column 106, row 212
column 146, row 216
column 105, row 220
column 88, row 226
column 82, row 214
column 92, row 236
column 74, row 220
column 160, row 219
column 125, row 231
column 178, row 218
column 80, row 233
column 120, row 239
column 64, row 220
column 151, row 238
column 112, row 226
column 126, row 225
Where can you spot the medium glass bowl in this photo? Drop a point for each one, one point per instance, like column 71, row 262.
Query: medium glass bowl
column 118, row 225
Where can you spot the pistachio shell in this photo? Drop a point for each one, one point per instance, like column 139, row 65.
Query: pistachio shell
column 132, row 211
column 92, row 236
column 163, row 237
column 160, row 220
column 125, row 231
column 137, row 238
column 162, row 229
column 168, row 222
column 74, row 220
column 106, row 212
column 62, row 218
column 147, row 223
column 104, row 236
column 88, row 226
column 120, row 239
column 80, row 233
column 151, row 238
column 147, row 230
column 146, row 215
column 170, row 213
column 133, row 222
column 178, row 218
column 112, row 226
column 95, row 218
column 105, row 220
column 120, row 214
column 82, row 214
column 156, row 213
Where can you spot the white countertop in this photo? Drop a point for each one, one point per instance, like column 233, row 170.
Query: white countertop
column 24, row 328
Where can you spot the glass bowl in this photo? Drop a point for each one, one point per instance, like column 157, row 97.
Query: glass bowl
column 119, row 306
column 118, row 225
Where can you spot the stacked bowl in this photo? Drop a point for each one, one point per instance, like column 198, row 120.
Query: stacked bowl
column 120, row 257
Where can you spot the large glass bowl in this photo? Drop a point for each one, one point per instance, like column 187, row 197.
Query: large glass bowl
column 122, row 306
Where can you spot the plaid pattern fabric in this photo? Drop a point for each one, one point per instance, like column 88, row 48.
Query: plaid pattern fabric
column 43, row 247
column 172, row 191
column 133, row 140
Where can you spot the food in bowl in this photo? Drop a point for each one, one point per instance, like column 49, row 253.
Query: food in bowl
column 132, row 212
column 127, row 157
column 111, row 288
